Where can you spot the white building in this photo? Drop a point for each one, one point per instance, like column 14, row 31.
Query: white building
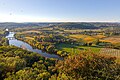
column 6, row 30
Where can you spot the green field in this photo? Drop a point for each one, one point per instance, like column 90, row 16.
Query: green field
column 74, row 49
column 1, row 32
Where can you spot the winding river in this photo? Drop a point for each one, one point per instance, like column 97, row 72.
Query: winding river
column 18, row 43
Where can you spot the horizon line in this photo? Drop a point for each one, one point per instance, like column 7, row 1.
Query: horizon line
column 61, row 22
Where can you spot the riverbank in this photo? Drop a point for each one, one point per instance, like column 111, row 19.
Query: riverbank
column 18, row 43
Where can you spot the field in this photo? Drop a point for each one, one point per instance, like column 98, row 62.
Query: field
column 80, row 30
column 1, row 32
column 29, row 38
column 111, row 52
column 34, row 31
column 99, row 36
column 112, row 39
column 74, row 49
column 86, row 38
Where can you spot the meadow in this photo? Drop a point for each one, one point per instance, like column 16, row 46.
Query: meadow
column 75, row 49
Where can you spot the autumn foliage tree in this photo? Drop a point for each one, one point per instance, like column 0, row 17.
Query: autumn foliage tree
column 89, row 66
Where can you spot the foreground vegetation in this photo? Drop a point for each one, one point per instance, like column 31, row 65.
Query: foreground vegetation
column 16, row 64
column 88, row 66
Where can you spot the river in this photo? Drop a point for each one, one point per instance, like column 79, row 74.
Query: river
column 18, row 43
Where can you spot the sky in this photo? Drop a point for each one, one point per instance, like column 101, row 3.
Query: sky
column 59, row 10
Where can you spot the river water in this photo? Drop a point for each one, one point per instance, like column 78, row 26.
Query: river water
column 18, row 43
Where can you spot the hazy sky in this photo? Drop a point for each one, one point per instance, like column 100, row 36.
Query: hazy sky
column 59, row 10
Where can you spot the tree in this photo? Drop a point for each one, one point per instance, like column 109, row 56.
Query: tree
column 50, row 48
column 97, row 42
column 89, row 66
column 90, row 44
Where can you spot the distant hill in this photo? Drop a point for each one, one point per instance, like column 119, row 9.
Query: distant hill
column 11, row 25
column 105, row 25
column 69, row 25
column 87, row 25
column 78, row 25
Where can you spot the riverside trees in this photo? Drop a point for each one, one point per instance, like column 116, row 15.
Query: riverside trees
column 16, row 63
